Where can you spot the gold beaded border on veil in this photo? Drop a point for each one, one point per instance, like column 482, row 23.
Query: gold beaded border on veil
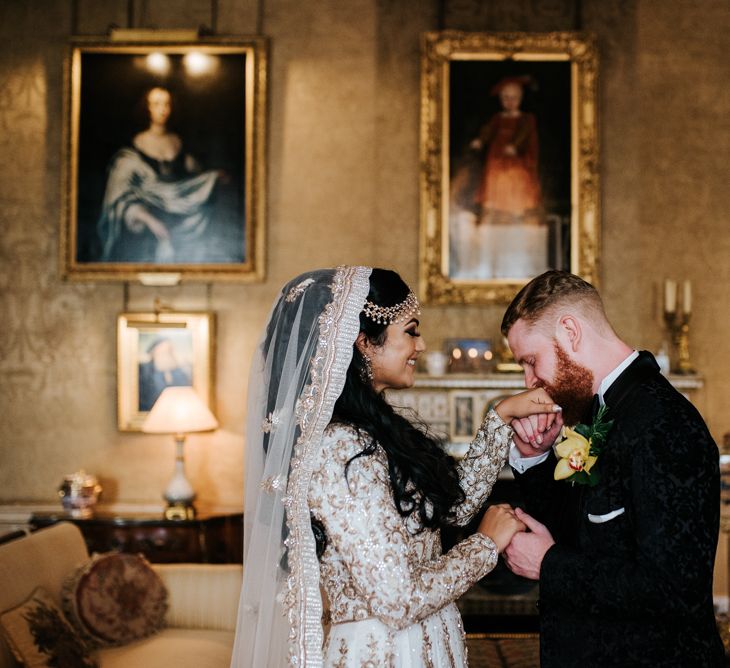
column 339, row 325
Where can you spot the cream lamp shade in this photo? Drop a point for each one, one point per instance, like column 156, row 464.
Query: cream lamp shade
column 179, row 411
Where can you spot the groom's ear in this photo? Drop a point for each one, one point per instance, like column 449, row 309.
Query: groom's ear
column 571, row 331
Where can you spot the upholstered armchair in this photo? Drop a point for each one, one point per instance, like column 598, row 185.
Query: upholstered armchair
column 199, row 614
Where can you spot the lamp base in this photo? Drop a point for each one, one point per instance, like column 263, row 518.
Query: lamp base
column 179, row 511
column 179, row 493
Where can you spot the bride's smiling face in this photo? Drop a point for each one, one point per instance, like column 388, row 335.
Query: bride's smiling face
column 394, row 363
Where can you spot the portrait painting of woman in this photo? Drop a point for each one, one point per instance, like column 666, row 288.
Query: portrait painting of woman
column 162, row 170
column 158, row 201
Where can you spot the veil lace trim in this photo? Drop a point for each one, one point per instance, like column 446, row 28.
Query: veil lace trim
column 339, row 324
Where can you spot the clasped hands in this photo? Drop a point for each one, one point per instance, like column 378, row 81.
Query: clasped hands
column 520, row 538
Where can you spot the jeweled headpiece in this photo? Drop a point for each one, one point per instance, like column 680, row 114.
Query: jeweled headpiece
column 388, row 315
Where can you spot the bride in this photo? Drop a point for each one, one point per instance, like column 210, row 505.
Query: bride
column 345, row 498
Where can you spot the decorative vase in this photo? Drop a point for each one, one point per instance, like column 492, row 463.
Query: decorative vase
column 79, row 493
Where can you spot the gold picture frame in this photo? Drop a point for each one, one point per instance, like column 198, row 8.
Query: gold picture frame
column 187, row 207
column 157, row 350
column 463, row 412
column 506, row 191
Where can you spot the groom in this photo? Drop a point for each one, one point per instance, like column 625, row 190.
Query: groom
column 625, row 566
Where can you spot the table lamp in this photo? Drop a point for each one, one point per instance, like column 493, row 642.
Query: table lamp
column 179, row 411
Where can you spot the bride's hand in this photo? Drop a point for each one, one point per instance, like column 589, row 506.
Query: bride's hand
column 500, row 524
column 531, row 402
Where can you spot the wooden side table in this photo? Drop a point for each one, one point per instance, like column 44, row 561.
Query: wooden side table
column 214, row 539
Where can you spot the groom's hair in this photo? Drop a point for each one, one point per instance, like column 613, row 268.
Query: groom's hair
column 554, row 288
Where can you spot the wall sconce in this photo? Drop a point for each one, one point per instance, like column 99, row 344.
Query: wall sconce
column 179, row 411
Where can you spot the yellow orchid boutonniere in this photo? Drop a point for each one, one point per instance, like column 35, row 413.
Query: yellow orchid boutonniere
column 579, row 450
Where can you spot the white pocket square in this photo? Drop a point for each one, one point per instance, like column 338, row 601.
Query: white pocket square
column 600, row 519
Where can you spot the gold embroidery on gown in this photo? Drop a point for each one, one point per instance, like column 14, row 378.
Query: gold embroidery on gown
column 389, row 588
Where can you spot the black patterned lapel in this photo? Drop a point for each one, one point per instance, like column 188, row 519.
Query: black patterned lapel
column 641, row 369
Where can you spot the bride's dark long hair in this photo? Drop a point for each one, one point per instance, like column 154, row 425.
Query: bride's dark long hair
column 414, row 455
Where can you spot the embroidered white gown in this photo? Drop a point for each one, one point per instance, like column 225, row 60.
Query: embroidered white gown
column 389, row 588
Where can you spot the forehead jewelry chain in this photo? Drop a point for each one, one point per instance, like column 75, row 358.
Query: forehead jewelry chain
column 388, row 315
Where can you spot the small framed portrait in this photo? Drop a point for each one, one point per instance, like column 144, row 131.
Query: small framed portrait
column 159, row 350
column 509, row 162
column 463, row 413
column 164, row 160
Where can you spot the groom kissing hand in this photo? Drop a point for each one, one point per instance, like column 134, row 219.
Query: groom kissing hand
column 624, row 513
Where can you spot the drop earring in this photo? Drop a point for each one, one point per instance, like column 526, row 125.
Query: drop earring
column 366, row 371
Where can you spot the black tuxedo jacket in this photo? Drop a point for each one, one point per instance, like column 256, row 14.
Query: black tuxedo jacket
column 629, row 580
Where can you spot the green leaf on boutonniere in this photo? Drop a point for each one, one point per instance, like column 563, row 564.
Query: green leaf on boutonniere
column 588, row 478
column 599, row 429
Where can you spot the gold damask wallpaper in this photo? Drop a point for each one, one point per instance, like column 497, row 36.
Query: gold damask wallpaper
column 343, row 145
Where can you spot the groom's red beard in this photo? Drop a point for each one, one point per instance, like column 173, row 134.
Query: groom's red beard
column 572, row 388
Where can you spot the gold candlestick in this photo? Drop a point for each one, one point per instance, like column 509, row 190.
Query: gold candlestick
column 678, row 327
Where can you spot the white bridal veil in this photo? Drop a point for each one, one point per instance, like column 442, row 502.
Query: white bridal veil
column 298, row 373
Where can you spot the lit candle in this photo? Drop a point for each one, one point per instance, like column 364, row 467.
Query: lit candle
column 687, row 297
column 670, row 296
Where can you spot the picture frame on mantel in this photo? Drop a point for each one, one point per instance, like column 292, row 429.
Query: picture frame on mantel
column 509, row 148
column 164, row 160
column 462, row 412
column 159, row 350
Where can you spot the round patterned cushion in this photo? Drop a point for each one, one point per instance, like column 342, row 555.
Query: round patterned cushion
column 115, row 598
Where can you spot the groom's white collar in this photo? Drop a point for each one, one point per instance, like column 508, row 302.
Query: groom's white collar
column 608, row 380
